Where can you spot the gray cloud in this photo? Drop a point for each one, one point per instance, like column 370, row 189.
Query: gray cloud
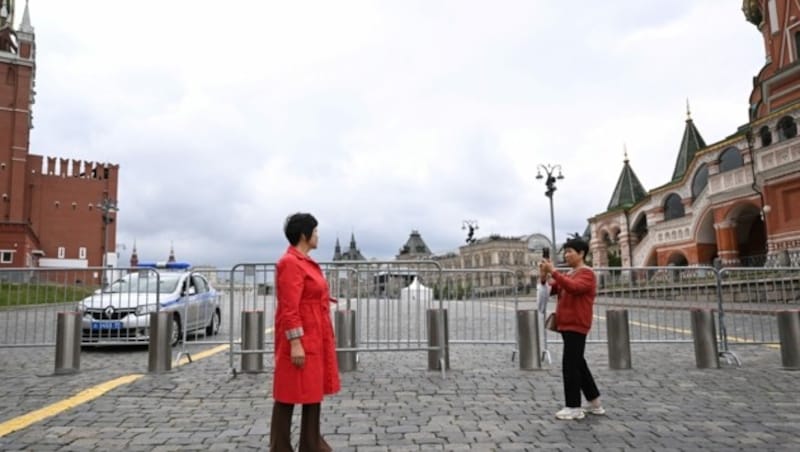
column 378, row 117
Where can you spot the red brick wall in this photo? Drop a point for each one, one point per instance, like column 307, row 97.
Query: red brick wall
column 45, row 202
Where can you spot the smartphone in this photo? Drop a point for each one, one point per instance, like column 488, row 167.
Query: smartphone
column 546, row 253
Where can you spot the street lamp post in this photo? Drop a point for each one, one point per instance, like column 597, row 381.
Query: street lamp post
column 107, row 207
column 550, row 182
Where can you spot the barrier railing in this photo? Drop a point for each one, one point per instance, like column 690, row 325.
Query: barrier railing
column 481, row 305
column 390, row 300
column 750, row 299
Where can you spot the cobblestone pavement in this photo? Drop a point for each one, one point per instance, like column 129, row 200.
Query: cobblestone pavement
column 392, row 403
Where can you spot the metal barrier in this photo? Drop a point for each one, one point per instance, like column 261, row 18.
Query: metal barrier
column 252, row 341
column 750, row 299
column 31, row 298
column 345, row 327
column 619, row 343
column 528, row 328
column 789, row 331
column 389, row 300
column 482, row 305
column 68, row 343
column 705, row 339
column 159, row 353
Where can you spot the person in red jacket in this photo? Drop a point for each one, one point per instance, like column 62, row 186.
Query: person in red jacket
column 305, row 350
column 576, row 291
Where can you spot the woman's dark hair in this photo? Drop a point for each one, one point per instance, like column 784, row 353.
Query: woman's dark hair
column 298, row 225
column 577, row 244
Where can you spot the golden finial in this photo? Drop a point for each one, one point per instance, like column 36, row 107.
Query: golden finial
column 688, row 111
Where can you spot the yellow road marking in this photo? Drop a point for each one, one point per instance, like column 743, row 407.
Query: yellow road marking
column 87, row 395
column 84, row 396
column 682, row 331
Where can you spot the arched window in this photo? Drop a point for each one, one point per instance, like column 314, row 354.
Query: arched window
column 673, row 207
column 766, row 136
column 700, row 181
column 640, row 227
column 730, row 159
column 787, row 128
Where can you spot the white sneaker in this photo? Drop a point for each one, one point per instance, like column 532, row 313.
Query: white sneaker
column 566, row 414
column 597, row 411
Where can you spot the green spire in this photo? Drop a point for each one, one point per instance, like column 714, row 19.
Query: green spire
column 629, row 190
column 690, row 144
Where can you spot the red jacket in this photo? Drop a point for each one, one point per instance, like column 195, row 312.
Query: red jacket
column 576, row 292
column 303, row 309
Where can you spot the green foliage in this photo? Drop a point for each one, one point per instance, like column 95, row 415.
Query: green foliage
column 13, row 294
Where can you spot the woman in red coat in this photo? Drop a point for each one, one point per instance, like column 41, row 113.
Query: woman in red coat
column 576, row 291
column 305, row 353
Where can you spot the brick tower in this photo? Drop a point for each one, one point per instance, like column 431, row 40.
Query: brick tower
column 54, row 211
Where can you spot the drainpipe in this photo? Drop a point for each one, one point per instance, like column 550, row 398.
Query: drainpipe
column 630, row 245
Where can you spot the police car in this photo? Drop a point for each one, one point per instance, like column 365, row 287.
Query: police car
column 120, row 312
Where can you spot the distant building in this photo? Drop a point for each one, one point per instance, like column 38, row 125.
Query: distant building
column 737, row 199
column 415, row 248
column 351, row 254
column 515, row 259
column 50, row 206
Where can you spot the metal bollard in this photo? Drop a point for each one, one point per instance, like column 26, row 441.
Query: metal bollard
column 345, row 324
column 619, row 340
column 704, row 331
column 252, row 341
column 789, row 333
column 160, row 345
column 528, row 339
column 68, row 343
column 433, row 340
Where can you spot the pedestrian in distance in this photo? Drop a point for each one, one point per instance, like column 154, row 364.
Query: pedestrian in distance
column 576, row 291
column 305, row 349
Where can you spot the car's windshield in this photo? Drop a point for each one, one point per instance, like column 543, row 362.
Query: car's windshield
column 145, row 283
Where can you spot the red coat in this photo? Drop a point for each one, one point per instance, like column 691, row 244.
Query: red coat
column 576, row 292
column 303, row 302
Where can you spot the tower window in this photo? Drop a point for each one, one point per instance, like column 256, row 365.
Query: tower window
column 82, row 252
column 787, row 128
column 61, row 252
column 673, row 207
column 6, row 257
column 797, row 46
column 700, row 181
column 730, row 159
column 766, row 134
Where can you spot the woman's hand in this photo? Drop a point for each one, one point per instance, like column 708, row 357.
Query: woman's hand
column 545, row 268
column 298, row 354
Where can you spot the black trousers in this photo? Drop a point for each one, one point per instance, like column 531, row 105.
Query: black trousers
column 577, row 376
column 281, row 427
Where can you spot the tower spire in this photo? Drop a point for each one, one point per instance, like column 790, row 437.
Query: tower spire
column 134, row 256
column 25, row 26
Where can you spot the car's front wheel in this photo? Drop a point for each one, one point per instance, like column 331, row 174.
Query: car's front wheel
column 213, row 326
column 177, row 333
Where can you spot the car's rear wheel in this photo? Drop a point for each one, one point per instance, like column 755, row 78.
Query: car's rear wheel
column 213, row 326
column 177, row 333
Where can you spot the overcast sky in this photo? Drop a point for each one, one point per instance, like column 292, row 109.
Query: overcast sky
column 379, row 117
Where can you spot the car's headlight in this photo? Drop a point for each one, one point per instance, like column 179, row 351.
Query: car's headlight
column 146, row 309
